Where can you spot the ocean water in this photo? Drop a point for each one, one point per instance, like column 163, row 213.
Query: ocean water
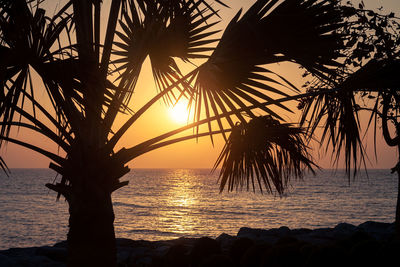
column 170, row 203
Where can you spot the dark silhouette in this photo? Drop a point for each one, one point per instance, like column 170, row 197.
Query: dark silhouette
column 77, row 62
column 367, row 82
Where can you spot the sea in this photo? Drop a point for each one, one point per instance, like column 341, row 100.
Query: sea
column 160, row 204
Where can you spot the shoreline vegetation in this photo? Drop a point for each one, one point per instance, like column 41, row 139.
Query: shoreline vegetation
column 368, row 244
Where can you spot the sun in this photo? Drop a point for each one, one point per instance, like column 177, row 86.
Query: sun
column 179, row 112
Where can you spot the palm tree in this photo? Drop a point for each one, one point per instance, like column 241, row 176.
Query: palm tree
column 370, row 86
column 90, row 77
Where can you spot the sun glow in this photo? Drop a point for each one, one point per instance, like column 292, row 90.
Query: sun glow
column 179, row 112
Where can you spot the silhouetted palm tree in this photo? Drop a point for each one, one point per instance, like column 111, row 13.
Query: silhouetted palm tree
column 370, row 86
column 76, row 62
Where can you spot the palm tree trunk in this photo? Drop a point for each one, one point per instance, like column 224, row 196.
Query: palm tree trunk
column 91, row 236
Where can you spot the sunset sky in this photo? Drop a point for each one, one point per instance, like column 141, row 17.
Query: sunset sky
column 189, row 154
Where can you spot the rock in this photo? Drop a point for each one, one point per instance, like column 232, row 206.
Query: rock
column 285, row 253
column 253, row 255
column 319, row 236
column 41, row 261
column 369, row 243
column 327, row 255
column 160, row 251
column 239, row 247
column 217, row 260
column 58, row 254
column 177, row 255
column 378, row 230
column 144, row 261
column 301, row 231
column 62, row 244
column 226, row 241
column 281, row 231
column 345, row 228
column 184, row 241
column 139, row 252
column 20, row 252
column 125, row 242
column 389, row 253
column 6, row 261
column 365, row 253
column 269, row 236
column 256, row 234
column 203, row 248
column 123, row 256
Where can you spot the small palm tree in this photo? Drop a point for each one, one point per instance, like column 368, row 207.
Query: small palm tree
column 90, row 77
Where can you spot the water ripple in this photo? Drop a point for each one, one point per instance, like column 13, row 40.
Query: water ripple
column 164, row 204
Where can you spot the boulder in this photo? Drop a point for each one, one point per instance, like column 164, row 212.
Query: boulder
column 177, row 255
column 203, row 248
column 239, row 247
column 217, row 260
column 6, row 261
column 225, row 241
column 378, row 230
column 58, row 254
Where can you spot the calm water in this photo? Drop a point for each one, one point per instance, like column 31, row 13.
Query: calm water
column 165, row 204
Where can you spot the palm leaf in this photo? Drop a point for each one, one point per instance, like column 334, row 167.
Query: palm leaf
column 305, row 31
column 171, row 7
column 269, row 32
column 338, row 110
column 4, row 167
column 147, row 30
column 27, row 38
column 338, row 113
column 263, row 154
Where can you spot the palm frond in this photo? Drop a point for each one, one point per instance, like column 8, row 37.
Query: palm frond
column 341, row 127
column 338, row 110
column 4, row 167
column 148, row 31
column 27, row 37
column 264, row 154
column 170, row 7
column 304, row 31
column 236, row 76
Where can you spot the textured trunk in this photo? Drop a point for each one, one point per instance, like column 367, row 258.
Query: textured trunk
column 91, row 237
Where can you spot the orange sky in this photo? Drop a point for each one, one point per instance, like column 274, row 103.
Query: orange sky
column 189, row 154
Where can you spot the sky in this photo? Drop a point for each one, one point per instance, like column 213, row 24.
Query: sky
column 193, row 153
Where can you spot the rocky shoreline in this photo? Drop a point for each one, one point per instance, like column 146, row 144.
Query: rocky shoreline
column 369, row 244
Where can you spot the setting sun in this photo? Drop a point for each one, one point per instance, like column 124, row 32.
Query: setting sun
column 179, row 112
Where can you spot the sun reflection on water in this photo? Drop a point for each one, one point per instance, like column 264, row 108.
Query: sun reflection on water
column 180, row 199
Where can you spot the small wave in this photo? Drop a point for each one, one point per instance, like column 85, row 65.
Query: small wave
column 123, row 204
column 154, row 232
column 223, row 212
